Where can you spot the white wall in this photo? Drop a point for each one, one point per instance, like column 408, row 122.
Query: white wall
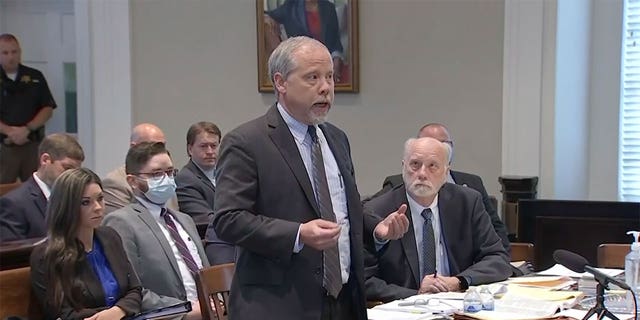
column 572, row 99
column 421, row 61
column 604, row 96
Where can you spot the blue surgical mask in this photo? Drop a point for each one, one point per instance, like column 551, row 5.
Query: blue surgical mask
column 160, row 189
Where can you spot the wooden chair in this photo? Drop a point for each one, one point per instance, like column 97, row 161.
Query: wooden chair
column 611, row 255
column 522, row 251
column 6, row 187
column 213, row 284
column 15, row 295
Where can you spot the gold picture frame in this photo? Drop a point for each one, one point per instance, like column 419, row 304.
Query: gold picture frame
column 278, row 19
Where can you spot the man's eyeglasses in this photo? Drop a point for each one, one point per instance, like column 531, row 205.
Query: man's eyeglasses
column 159, row 174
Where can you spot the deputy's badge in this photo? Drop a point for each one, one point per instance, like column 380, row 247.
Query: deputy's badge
column 25, row 79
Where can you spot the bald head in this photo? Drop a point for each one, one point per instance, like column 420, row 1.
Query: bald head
column 146, row 132
column 439, row 132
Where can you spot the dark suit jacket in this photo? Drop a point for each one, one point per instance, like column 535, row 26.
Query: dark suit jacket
column 464, row 179
column 195, row 198
column 474, row 249
column 22, row 213
column 291, row 14
column 263, row 195
column 92, row 300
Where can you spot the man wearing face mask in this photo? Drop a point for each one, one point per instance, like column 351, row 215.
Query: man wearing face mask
column 162, row 244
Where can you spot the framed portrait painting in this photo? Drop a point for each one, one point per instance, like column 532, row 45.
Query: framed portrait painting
column 332, row 22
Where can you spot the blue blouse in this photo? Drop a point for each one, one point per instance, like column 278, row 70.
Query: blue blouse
column 102, row 269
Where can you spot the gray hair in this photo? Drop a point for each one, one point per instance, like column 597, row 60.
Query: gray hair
column 409, row 143
column 281, row 59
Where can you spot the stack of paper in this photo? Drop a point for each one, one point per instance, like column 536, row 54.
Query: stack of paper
column 547, row 282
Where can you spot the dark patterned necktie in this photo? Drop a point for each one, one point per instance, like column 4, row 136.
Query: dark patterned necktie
column 332, row 279
column 182, row 247
column 428, row 244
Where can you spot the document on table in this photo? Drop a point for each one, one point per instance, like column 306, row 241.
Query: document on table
column 439, row 304
column 547, row 282
column 560, row 270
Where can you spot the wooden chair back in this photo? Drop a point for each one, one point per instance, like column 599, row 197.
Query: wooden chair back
column 611, row 255
column 6, row 187
column 214, row 284
column 15, row 295
column 522, row 251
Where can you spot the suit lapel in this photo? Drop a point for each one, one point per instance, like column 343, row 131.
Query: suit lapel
column 147, row 219
column 279, row 133
column 448, row 223
column 37, row 196
column 409, row 240
column 200, row 175
column 113, row 259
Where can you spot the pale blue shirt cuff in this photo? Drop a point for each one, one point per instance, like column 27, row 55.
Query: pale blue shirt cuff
column 297, row 247
column 379, row 243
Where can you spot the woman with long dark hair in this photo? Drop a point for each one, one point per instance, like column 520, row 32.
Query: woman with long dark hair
column 81, row 270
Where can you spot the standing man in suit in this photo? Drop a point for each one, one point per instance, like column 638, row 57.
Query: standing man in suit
column 117, row 192
column 287, row 198
column 450, row 244
column 22, row 211
column 162, row 244
column 197, row 187
column 441, row 133
column 26, row 104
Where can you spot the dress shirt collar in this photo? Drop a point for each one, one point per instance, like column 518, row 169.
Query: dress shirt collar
column 297, row 128
column 418, row 208
column 153, row 208
column 210, row 174
column 43, row 186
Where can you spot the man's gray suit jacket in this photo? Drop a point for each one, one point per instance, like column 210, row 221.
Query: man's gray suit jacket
column 149, row 251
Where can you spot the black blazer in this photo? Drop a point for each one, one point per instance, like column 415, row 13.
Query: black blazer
column 263, row 195
column 473, row 248
column 93, row 300
column 22, row 213
column 467, row 180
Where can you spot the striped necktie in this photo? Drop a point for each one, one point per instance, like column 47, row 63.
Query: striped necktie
column 332, row 278
column 177, row 239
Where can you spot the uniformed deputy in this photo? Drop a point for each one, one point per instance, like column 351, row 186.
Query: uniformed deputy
column 25, row 106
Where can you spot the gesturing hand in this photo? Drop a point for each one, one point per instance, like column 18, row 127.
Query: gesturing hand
column 319, row 234
column 394, row 226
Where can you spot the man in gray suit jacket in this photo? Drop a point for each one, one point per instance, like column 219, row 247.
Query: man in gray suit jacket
column 117, row 192
column 197, row 187
column 162, row 244
column 451, row 243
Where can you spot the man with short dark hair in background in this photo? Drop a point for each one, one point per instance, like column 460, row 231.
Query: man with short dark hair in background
column 117, row 192
column 26, row 104
column 162, row 244
column 22, row 211
column 197, row 187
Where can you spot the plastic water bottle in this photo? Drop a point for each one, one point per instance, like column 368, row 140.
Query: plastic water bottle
column 632, row 270
column 472, row 301
column 488, row 303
